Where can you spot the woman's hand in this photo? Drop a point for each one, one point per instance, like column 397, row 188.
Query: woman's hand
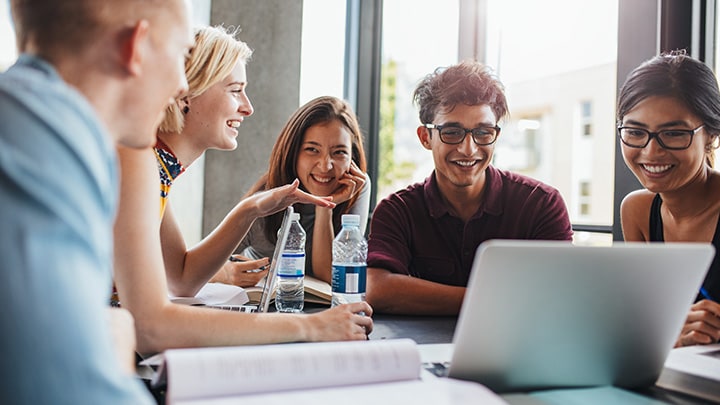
column 351, row 183
column 702, row 325
column 277, row 199
column 242, row 271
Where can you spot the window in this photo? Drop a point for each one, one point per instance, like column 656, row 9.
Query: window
column 518, row 149
column 8, row 54
column 559, row 71
column 323, row 49
column 412, row 47
column 586, row 118
column 584, row 198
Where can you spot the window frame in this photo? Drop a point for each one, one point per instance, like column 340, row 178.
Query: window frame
column 645, row 28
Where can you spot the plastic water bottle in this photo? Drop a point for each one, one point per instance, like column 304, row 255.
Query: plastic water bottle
column 290, row 296
column 349, row 262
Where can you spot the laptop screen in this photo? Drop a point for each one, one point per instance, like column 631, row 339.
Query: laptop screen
column 269, row 286
column 544, row 314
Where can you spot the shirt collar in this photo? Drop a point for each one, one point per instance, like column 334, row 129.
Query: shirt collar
column 171, row 164
column 38, row 64
column 493, row 200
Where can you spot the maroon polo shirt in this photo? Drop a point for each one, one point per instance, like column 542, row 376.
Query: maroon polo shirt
column 413, row 233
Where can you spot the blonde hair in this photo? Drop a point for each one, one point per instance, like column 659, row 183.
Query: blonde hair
column 213, row 57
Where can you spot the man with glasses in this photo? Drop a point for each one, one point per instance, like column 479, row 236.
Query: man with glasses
column 423, row 238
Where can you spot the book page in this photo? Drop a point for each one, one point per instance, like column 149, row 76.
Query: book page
column 700, row 360
column 693, row 370
column 316, row 291
column 443, row 391
column 225, row 371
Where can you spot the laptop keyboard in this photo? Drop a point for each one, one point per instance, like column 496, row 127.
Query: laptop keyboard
column 236, row 308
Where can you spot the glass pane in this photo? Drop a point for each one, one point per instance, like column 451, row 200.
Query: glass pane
column 8, row 54
column 418, row 36
column 716, row 42
column 557, row 60
column 322, row 58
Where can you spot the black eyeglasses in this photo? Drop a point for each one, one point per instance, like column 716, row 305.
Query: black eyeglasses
column 673, row 139
column 453, row 134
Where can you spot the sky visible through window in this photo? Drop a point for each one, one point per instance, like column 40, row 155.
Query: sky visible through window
column 7, row 37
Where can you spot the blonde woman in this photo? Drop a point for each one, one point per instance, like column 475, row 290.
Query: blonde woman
column 148, row 247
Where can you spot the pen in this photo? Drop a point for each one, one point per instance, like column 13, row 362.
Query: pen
column 237, row 259
column 706, row 294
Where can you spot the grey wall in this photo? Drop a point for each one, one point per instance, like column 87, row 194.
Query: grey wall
column 272, row 28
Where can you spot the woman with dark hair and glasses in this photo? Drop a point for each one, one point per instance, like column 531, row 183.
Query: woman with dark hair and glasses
column 668, row 117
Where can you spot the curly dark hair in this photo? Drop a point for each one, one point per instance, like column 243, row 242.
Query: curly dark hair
column 468, row 82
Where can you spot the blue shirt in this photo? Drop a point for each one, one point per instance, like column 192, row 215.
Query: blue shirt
column 412, row 232
column 58, row 196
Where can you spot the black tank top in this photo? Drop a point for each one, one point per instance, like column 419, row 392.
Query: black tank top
column 712, row 279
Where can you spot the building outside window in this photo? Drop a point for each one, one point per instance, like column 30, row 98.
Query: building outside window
column 553, row 57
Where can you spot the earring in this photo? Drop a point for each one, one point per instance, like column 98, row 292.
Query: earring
column 186, row 110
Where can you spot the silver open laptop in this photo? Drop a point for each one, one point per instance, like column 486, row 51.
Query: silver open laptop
column 270, row 279
column 550, row 314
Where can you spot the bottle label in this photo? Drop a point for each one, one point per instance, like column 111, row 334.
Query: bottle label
column 349, row 279
column 291, row 265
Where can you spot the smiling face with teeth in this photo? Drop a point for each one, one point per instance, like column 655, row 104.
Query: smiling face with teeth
column 325, row 155
column 461, row 167
column 657, row 168
column 215, row 115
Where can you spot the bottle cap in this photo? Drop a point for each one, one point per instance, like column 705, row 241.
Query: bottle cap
column 295, row 216
column 350, row 219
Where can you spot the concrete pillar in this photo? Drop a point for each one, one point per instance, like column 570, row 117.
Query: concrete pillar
column 272, row 28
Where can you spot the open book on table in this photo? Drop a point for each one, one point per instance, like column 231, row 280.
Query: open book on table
column 219, row 294
column 693, row 370
column 316, row 291
column 356, row 372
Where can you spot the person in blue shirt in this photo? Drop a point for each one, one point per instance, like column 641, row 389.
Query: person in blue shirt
column 92, row 74
column 668, row 118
